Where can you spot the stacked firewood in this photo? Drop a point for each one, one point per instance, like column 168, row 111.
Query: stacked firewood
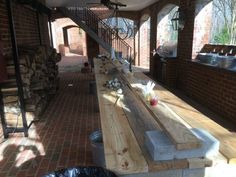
column 39, row 74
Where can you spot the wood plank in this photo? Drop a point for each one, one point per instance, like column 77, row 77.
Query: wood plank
column 175, row 128
column 196, row 119
column 199, row 163
column 140, row 121
column 122, row 152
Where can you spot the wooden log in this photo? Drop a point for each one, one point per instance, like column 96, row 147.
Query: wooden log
column 38, row 69
column 12, row 108
column 14, row 120
column 10, row 99
column 11, row 69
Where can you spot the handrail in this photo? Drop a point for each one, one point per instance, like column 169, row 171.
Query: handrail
column 108, row 27
column 101, row 29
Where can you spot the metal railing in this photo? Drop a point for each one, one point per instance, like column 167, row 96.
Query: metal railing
column 102, row 30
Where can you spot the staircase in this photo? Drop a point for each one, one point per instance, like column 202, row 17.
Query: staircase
column 98, row 30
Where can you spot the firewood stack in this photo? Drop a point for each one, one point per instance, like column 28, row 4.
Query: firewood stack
column 39, row 74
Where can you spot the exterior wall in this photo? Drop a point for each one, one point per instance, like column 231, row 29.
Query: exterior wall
column 210, row 86
column 25, row 20
column 4, row 28
column 26, row 25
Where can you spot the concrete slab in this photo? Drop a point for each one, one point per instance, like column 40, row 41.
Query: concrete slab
column 210, row 146
column 160, row 146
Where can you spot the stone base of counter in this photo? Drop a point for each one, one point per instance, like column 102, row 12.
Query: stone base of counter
column 160, row 147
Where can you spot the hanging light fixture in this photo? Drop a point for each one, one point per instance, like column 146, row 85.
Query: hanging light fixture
column 122, row 27
column 178, row 19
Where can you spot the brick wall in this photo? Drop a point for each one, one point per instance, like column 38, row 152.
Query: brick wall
column 26, row 27
column 43, row 20
column 92, row 47
column 4, row 28
column 212, row 87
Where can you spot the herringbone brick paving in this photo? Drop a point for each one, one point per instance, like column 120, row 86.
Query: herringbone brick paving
column 60, row 139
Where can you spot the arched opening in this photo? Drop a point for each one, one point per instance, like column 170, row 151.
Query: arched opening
column 167, row 37
column 69, row 38
column 218, row 28
column 144, row 42
column 70, row 41
column 202, row 25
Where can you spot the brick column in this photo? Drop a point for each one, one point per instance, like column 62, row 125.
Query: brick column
column 185, row 36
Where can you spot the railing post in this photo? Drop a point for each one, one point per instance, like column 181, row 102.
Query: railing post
column 17, row 68
column 2, row 115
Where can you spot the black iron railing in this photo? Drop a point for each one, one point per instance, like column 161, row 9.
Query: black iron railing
column 103, row 31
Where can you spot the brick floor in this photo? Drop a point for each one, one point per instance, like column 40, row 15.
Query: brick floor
column 60, row 139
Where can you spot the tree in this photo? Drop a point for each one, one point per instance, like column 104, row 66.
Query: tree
column 222, row 37
column 227, row 9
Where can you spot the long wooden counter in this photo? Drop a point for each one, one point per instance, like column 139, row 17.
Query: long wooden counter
column 125, row 120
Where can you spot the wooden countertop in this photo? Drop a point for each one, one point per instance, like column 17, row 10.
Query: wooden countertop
column 124, row 123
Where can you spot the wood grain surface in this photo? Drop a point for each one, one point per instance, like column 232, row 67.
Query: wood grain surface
column 129, row 118
column 177, row 131
column 122, row 152
column 196, row 119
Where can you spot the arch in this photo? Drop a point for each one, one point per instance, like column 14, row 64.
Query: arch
column 166, row 36
column 65, row 33
column 70, row 26
column 144, row 18
column 162, row 5
column 165, row 11
column 202, row 25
